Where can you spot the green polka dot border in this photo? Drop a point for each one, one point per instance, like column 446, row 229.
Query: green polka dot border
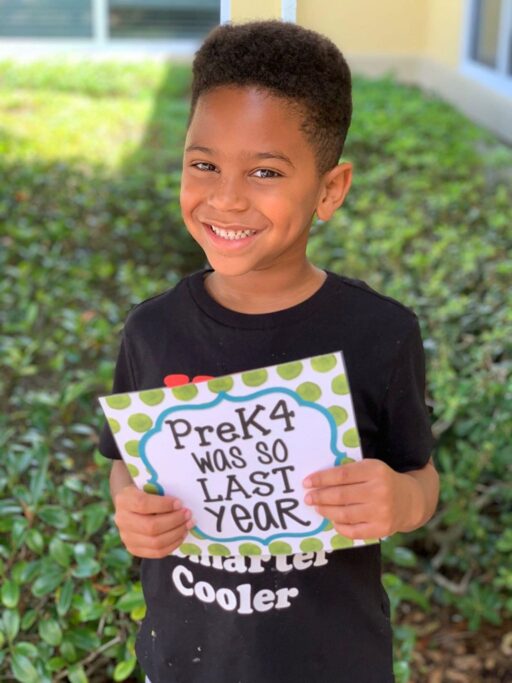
column 140, row 422
column 152, row 397
column 254, row 378
column 118, row 401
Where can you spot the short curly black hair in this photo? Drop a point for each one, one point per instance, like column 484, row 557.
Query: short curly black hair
column 290, row 61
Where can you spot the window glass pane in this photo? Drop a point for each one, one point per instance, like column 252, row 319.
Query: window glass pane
column 45, row 19
column 486, row 30
column 162, row 19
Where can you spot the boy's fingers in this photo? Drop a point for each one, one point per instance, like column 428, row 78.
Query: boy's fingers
column 135, row 500
column 350, row 494
column 346, row 514
column 153, row 524
column 136, row 542
column 351, row 473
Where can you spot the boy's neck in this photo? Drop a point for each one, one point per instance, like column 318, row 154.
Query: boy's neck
column 264, row 291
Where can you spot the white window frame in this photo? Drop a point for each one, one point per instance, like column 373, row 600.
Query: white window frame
column 494, row 78
column 101, row 43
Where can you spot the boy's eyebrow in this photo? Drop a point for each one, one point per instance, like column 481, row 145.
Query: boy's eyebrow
column 257, row 155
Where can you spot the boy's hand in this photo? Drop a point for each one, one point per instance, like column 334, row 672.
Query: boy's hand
column 149, row 525
column 366, row 499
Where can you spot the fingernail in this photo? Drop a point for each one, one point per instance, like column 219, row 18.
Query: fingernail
column 188, row 514
column 177, row 505
column 307, row 483
column 190, row 524
column 308, row 499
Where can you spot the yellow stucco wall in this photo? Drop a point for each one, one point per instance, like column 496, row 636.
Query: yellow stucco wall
column 444, row 30
column 249, row 10
column 430, row 28
column 368, row 26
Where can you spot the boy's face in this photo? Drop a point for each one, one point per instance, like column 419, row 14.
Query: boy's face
column 250, row 185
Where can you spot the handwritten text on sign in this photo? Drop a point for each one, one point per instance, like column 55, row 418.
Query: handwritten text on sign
column 239, row 462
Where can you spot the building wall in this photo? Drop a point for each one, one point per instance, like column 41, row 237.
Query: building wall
column 420, row 41
column 249, row 10
column 390, row 27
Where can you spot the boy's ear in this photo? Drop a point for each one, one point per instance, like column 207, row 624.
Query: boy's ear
column 335, row 185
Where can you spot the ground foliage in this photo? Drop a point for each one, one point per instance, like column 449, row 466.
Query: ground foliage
column 90, row 224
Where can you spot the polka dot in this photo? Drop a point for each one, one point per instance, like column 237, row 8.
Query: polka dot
column 185, row 393
column 309, row 391
column 369, row 541
column 249, row 549
column 114, row 425
column 140, row 422
column 254, row 378
column 289, row 370
column 324, row 363
column 118, row 402
column 346, row 460
column 220, row 384
column 132, row 470
column 151, row 488
column 340, row 385
column 132, row 448
column 351, row 438
column 328, row 526
column 219, row 549
column 339, row 414
column 152, row 397
column 190, row 549
column 338, row 542
column 280, row 548
column 311, row 545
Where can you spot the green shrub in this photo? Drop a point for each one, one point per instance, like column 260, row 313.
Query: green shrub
column 427, row 221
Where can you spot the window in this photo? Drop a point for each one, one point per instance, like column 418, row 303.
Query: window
column 45, row 19
column 162, row 19
column 488, row 47
column 108, row 20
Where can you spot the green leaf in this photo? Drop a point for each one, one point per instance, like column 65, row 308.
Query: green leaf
column 65, row 596
column 84, row 638
column 77, row 675
column 130, row 600
column 11, row 619
column 35, row 541
column 86, row 568
column 61, row 552
column 124, row 669
column 56, row 664
column 48, row 582
column 10, row 593
column 29, row 619
column 27, row 649
column 403, row 557
column 50, row 632
column 68, row 650
column 94, row 516
column 54, row 516
column 23, row 670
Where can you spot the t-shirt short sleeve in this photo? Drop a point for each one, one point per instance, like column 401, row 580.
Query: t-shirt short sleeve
column 408, row 440
column 124, row 381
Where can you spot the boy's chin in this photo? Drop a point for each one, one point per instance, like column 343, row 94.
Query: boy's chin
column 230, row 267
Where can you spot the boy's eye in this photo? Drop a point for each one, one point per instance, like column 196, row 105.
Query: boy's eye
column 267, row 172
column 264, row 172
column 200, row 164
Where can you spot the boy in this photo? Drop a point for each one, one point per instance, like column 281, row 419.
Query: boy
column 271, row 106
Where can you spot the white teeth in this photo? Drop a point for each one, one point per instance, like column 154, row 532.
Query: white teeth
column 232, row 234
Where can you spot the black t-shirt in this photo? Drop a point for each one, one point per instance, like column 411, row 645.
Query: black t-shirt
column 321, row 617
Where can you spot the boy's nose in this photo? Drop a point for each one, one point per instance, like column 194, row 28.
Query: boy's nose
column 227, row 195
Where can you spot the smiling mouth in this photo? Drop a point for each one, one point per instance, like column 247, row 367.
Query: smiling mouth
column 230, row 234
